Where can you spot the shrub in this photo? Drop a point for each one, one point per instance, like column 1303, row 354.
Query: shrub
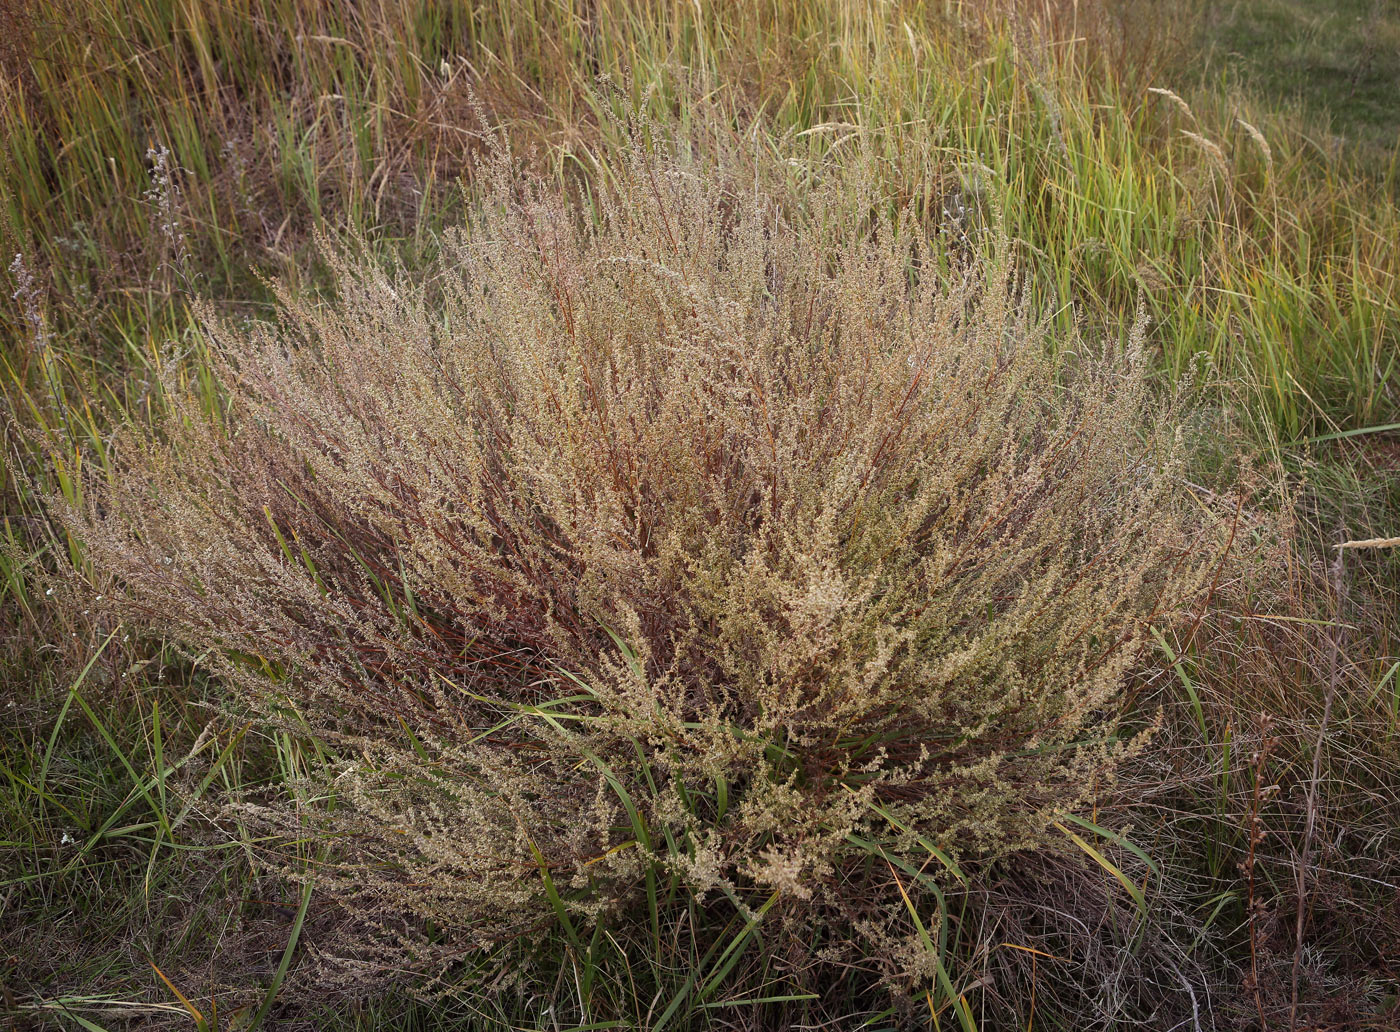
column 733, row 546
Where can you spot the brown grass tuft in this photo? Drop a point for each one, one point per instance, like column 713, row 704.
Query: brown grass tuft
column 729, row 542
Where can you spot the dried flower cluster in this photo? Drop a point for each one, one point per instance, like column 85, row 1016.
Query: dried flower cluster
column 725, row 541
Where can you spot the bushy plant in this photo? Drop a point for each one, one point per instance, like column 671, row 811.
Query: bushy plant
column 732, row 545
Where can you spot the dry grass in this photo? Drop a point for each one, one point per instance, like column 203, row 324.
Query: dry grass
column 155, row 150
column 729, row 542
column 1278, row 264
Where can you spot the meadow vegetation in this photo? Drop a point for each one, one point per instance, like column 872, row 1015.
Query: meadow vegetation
column 763, row 514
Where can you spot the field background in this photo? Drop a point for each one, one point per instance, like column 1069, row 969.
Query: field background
column 1235, row 166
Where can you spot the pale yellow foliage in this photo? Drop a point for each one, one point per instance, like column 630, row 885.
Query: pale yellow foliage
column 734, row 506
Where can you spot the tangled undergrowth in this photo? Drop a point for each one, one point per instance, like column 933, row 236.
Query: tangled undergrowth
column 734, row 565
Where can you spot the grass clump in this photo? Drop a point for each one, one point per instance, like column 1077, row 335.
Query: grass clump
column 730, row 552
column 153, row 148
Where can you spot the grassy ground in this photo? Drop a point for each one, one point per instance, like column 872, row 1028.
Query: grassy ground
column 154, row 149
column 1336, row 64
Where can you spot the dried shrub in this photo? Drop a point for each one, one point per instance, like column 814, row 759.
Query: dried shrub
column 733, row 545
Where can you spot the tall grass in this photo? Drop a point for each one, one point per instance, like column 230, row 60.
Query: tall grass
column 152, row 151
column 1251, row 247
